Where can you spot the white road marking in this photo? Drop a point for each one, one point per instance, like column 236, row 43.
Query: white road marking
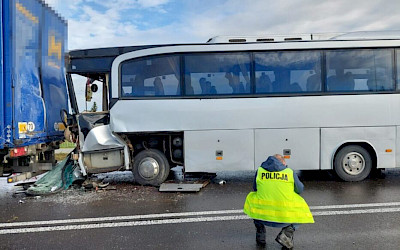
column 183, row 214
column 385, row 208
column 387, row 204
column 122, row 224
column 119, row 218
column 358, row 211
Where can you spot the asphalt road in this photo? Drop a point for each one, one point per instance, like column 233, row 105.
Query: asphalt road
column 363, row 215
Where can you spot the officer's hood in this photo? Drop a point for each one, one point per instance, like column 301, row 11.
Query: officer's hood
column 273, row 165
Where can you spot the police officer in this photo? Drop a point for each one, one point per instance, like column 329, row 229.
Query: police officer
column 276, row 202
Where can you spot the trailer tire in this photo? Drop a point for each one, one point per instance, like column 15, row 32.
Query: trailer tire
column 353, row 163
column 150, row 167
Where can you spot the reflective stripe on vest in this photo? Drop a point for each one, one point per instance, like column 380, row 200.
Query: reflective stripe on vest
column 275, row 199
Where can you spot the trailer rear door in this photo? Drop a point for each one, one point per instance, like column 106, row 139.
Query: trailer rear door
column 29, row 107
column 54, row 34
column 38, row 45
column 2, row 118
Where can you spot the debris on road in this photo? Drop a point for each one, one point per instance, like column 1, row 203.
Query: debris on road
column 96, row 185
column 180, row 187
column 189, row 186
column 60, row 178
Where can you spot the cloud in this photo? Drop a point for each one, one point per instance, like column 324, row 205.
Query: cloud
column 151, row 3
column 133, row 22
column 109, row 23
column 236, row 17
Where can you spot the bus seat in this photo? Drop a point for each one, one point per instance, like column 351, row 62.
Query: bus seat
column 371, row 85
column 158, row 87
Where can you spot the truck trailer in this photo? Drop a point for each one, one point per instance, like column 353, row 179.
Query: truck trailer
column 32, row 85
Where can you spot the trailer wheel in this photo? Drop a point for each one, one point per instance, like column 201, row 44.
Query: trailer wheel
column 353, row 163
column 150, row 167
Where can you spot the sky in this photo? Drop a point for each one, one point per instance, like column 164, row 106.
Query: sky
column 109, row 23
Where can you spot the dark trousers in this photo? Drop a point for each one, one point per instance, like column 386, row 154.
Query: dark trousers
column 259, row 226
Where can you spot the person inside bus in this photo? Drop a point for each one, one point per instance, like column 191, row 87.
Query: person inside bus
column 207, row 88
column 211, row 89
column 263, row 84
column 275, row 201
column 282, row 83
column 341, row 81
column 203, row 86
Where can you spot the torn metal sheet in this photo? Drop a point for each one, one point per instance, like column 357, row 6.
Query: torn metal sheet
column 102, row 151
column 101, row 138
column 180, row 187
column 60, row 178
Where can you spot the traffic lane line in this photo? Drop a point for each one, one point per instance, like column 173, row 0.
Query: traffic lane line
column 182, row 214
column 122, row 224
column 178, row 221
column 386, row 204
column 129, row 217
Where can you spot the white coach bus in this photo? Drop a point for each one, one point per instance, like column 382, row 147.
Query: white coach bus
column 330, row 103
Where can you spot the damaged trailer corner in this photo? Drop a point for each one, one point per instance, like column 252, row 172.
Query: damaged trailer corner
column 32, row 87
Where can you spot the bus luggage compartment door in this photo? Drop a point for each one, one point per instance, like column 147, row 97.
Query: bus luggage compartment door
column 103, row 151
column 219, row 150
column 300, row 146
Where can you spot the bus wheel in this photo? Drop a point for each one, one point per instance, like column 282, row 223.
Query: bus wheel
column 150, row 167
column 353, row 163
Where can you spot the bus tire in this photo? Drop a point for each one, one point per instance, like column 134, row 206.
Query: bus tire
column 150, row 167
column 353, row 163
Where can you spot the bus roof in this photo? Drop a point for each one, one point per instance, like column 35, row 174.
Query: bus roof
column 95, row 63
column 350, row 36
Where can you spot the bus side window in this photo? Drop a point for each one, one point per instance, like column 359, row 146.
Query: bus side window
column 155, row 76
column 217, row 73
column 290, row 71
column 359, row 70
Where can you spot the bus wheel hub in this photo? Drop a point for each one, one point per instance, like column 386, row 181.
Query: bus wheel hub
column 353, row 163
column 149, row 168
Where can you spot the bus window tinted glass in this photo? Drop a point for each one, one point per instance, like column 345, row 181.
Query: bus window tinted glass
column 286, row 72
column 398, row 68
column 217, row 74
column 359, row 70
column 151, row 76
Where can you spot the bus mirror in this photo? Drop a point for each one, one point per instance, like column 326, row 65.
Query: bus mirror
column 94, row 88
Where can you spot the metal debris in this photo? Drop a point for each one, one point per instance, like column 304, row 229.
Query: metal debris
column 180, row 187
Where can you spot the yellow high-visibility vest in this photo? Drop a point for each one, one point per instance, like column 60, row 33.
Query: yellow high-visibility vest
column 275, row 199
